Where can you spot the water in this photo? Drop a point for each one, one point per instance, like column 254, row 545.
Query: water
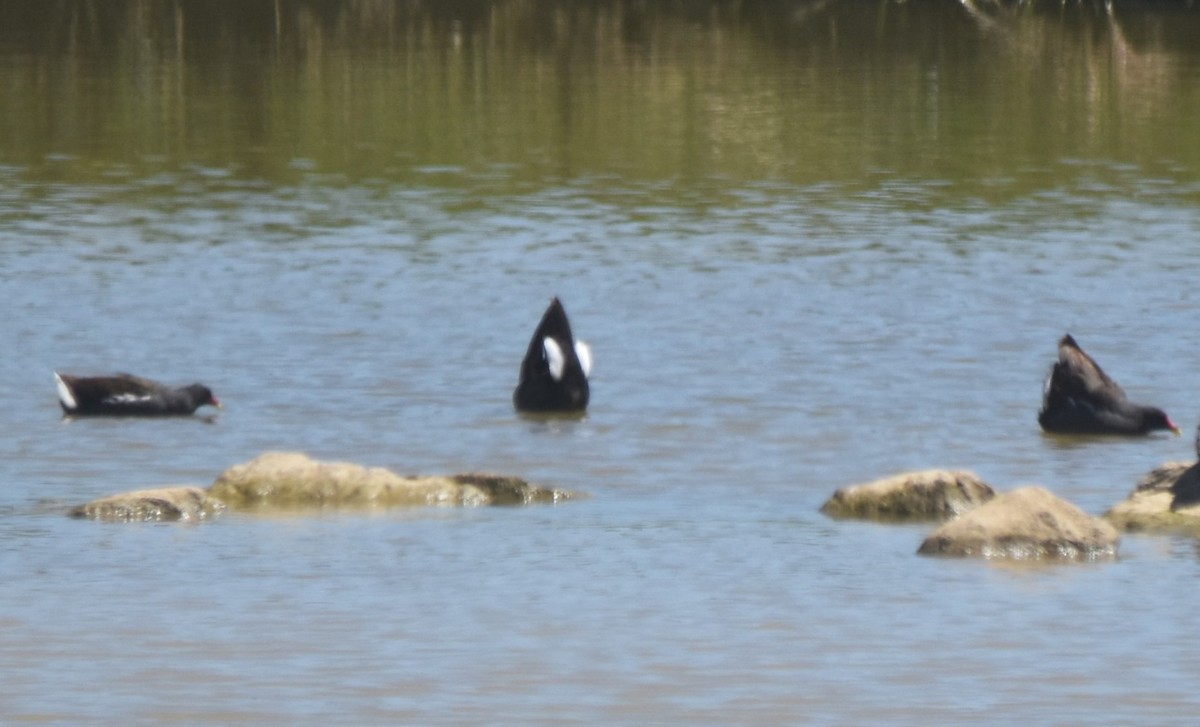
column 810, row 246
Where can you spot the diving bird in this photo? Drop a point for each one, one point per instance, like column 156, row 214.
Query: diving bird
column 128, row 395
column 554, row 374
column 1079, row 398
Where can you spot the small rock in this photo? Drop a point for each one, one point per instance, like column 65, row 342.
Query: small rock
column 1028, row 523
column 922, row 495
column 161, row 504
column 1163, row 477
column 502, row 490
column 1154, row 503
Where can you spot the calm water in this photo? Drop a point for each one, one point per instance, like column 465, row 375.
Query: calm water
column 811, row 245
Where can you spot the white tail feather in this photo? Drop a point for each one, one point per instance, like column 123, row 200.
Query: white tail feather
column 554, row 358
column 64, row 393
column 584, row 352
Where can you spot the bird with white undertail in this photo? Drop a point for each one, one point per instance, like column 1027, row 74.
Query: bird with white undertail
column 555, row 370
column 129, row 395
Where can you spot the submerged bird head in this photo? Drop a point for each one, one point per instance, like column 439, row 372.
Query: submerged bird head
column 1155, row 418
column 202, row 395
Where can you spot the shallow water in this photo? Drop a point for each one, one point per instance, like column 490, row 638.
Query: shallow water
column 809, row 247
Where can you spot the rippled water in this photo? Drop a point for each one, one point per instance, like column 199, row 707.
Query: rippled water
column 759, row 342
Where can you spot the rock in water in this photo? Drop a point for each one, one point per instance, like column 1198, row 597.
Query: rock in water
column 1163, row 500
column 1028, row 523
column 295, row 480
column 922, row 495
column 161, row 504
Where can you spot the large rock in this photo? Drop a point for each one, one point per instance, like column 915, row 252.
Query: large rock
column 1152, row 505
column 1027, row 523
column 162, row 504
column 292, row 480
column 923, row 495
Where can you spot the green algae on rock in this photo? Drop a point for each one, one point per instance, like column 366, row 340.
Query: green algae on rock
column 922, row 495
column 294, row 480
column 1151, row 507
column 164, row 504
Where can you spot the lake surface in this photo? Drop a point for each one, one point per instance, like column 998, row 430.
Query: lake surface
column 810, row 244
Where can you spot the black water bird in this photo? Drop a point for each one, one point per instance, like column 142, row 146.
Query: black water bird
column 1186, row 490
column 554, row 373
column 1079, row 398
column 128, row 395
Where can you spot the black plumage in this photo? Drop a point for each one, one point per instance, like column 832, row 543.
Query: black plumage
column 128, row 395
column 1185, row 491
column 1079, row 398
column 554, row 373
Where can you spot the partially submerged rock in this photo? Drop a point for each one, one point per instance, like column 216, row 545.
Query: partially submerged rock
column 292, row 480
column 1154, row 505
column 1163, row 477
column 161, row 504
column 490, row 489
column 923, row 495
column 1026, row 524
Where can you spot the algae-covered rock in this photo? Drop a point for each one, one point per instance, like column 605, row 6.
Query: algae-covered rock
column 161, row 504
column 295, row 480
column 1028, row 523
column 922, row 495
column 488, row 489
column 1161, row 501
column 1163, row 477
